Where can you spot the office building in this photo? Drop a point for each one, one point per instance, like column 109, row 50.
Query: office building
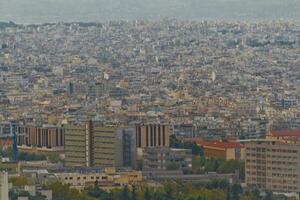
column 46, row 137
column 152, row 135
column 93, row 145
column 165, row 158
column 273, row 166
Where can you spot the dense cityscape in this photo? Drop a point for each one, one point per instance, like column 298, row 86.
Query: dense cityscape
column 164, row 109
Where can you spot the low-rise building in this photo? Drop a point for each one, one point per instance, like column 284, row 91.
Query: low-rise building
column 221, row 149
column 286, row 136
column 165, row 158
column 108, row 179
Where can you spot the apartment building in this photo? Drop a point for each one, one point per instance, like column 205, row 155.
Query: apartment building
column 94, row 145
column 273, row 166
column 165, row 158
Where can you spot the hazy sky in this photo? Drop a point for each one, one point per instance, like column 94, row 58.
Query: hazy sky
column 39, row 11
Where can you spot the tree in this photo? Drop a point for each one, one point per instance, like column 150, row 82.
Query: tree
column 125, row 193
column 269, row 196
column 133, row 193
column 236, row 190
column 147, row 194
column 95, row 192
column 64, row 192
column 19, row 181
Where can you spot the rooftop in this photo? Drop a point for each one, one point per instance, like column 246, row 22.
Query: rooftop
column 286, row 133
column 219, row 144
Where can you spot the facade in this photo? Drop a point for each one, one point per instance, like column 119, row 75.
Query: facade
column 41, row 138
column 152, row 135
column 3, row 186
column 273, row 166
column 285, row 136
column 92, row 145
column 165, row 158
column 108, row 179
column 220, row 149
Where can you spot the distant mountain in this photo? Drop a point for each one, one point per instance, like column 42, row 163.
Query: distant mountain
column 40, row 11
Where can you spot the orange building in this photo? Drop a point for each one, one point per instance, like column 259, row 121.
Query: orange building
column 42, row 137
column 152, row 135
column 221, row 149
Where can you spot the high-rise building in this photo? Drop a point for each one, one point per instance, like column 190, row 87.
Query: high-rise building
column 273, row 166
column 92, row 145
column 4, row 186
column 152, row 135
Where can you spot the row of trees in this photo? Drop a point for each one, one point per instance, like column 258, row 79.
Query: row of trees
column 176, row 143
column 170, row 190
column 24, row 156
column 203, row 165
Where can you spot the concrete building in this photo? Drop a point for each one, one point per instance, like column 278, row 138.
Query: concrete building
column 152, row 135
column 92, row 145
column 286, row 136
column 45, row 138
column 165, row 158
column 273, row 166
column 3, row 186
column 107, row 180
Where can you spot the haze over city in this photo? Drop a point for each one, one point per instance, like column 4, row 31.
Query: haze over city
column 41, row 11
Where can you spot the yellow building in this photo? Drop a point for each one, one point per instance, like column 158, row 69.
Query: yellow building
column 107, row 180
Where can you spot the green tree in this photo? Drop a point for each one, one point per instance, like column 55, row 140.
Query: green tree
column 125, row 193
column 236, row 190
column 269, row 196
column 19, row 181
column 133, row 193
column 147, row 194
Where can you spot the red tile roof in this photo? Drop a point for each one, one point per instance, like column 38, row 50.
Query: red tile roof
column 6, row 142
column 286, row 133
column 220, row 144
